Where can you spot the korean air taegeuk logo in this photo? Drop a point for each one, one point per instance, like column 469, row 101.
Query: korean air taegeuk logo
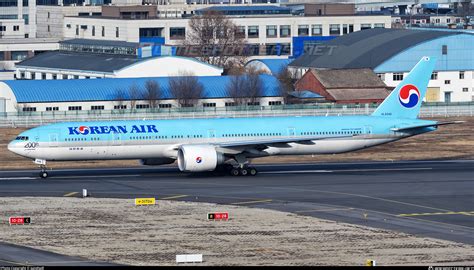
column 409, row 96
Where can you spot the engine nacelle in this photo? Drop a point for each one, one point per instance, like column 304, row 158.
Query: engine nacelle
column 156, row 161
column 199, row 158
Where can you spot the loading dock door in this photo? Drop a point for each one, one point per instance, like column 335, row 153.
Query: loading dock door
column 432, row 94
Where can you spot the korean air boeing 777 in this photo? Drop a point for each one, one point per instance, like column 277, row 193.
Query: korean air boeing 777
column 208, row 144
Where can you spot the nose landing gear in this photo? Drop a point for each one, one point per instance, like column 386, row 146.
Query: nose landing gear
column 42, row 164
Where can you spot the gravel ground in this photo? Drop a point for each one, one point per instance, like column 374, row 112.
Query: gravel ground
column 115, row 230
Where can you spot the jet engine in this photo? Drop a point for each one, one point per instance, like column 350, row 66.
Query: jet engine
column 199, row 158
column 156, row 161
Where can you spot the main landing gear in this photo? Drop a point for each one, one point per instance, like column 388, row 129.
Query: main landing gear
column 244, row 171
column 241, row 168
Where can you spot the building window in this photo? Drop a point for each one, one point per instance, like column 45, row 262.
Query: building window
column 256, row 103
column 209, row 105
column 253, row 31
column 303, row 30
column 164, row 106
column 16, row 28
column 272, row 31
column 76, row 77
column 334, row 29
column 117, row 32
column 345, row 29
column 103, row 31
column 49, row 28
column 142, row 106
column 379, row 25
column 74, row 108
column 49, row 109
column 93, row 31
column 397, row 76
column 77, row 30
column 230, row 104
column 365, row 26
column 177, row 33
column 434, row 75
column 43, row 76
column 55, row 76
column 274, row 103
column 444, row 49
column 465, row 89
column 97, row 108
column 120, row 107
column 3, row 28
column 29, row 109
column 461, row 75
column 447, row 82
column 240, row 31
column 285, row 30
column 381, row 76
column 316, row 30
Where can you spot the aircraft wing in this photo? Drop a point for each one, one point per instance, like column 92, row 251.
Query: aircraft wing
column 407, row 128
column 268, row 142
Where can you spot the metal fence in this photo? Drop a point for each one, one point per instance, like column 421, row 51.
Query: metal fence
column 29, row 119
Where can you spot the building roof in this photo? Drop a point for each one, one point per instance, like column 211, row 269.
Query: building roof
column 366, row 49
column 80, row 61
column 348, row 78
column 358, row 94
column 98, row 42
column 246, row 8
column 34, row 91
column 274, row 65
column 92, row 62
column 305, row 94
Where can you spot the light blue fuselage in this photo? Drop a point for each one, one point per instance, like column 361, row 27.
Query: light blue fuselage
column 159, row 138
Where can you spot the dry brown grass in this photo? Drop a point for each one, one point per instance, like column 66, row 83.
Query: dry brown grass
column 448, row 142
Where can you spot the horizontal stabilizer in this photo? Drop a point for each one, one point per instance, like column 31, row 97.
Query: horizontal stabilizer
column 427, row 125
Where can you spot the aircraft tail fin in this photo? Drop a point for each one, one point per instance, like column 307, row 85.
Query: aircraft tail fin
column 405, row 100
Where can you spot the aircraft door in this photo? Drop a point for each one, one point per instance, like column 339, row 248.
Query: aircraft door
column 368, row 130
column 211, row 134
column 116, row 139
column 291, row 132
column 53, row 139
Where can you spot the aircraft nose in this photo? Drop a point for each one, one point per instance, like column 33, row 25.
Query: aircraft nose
column 13, row 147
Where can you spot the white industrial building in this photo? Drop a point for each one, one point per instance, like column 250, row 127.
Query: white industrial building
column 392, row 53
column 94, row 59
column 263, row 29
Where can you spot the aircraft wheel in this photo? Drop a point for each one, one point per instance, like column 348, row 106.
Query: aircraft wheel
column 252, row 171
column 234, row 172
column 244, row 172
column 43, row 174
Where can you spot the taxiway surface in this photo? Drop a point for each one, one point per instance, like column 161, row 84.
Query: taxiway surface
column 425, row 198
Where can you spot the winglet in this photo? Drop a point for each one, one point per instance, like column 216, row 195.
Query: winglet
column 405, row 100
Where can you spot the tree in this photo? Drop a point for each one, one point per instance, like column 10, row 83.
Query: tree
column 152, row 93
column 235, row 89
column 186, row 89
column 134, row 94
column 286, row 83
column 254, row 86
column 214, row 39
column 246, row 88
column 120, row 97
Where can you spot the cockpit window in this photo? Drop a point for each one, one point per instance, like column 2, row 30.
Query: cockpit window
column 22, row 138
